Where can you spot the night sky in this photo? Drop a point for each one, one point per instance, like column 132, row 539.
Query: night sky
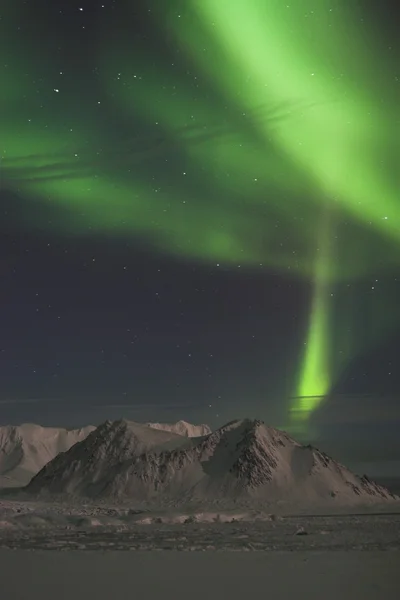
column 200, row 215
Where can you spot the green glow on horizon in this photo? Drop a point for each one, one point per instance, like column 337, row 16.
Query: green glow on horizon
column 316, row 375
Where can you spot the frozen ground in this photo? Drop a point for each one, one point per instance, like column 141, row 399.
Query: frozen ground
column 41, row 575
column 290, row 534
column 66, row 551
column 41, row 526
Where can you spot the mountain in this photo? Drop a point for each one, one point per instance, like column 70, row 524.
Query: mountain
column 25, row 449
column 244, row 461
column 88, row 466
column 183, row 428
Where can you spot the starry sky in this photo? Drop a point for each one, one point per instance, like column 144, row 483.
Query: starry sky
column 200, row 215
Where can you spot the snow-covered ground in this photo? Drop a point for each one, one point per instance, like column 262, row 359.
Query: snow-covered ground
column 97, row 551
column 50, row 526
column 368, row 575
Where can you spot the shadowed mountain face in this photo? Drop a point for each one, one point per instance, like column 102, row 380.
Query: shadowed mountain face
column 244, row 461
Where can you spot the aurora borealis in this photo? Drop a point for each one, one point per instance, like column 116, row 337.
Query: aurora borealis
column 250, row 134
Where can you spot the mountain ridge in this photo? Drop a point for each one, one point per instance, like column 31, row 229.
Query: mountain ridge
column 26, row 448
column 242, row 461
column 182, row 428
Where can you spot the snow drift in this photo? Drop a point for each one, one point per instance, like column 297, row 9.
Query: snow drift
column 244, row 461
column 25, row 449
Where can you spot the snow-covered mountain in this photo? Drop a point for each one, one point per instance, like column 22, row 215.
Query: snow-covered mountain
column 244, row 461
column 25, row 449
column 89, row 465
column 183, row 428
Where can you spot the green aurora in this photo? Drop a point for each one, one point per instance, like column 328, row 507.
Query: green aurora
column 294, row 135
